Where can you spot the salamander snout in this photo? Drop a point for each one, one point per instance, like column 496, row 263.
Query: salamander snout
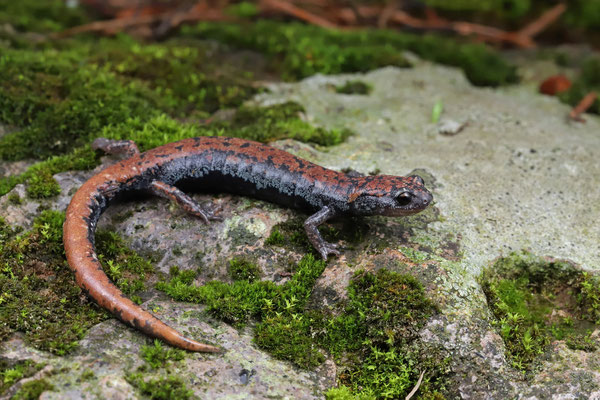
column 410, row 200
column 390, row 195
column 425, row 197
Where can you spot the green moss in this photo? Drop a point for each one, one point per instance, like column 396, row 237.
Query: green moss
column 186, row 78
column 40, row 16
column 527, row 293
column 240, row 269
column 258, row 123
column 583, row 342
column 291, row 234
column 280, row 121
column 126, row 268
column 588, row 297
column 63, row 97
column 238, row 302
column 287, row 337
column 159, row 356
column 374, row 339
column 88, row 374
column 13, row 373
column 165, row 388
column 15, row 199
column 38, row 293
column 60, row 102
column 32, row 390
column 354, row 87
column 275, row 238
column 79, row 159
column 243, row 9
column 588, row 81
column 584, row 14
column 303, row 50
column 6, row 232
column 42, row 185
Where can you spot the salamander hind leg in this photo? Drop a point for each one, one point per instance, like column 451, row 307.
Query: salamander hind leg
column 186, row 202
column 311, row 226
column 127, row 147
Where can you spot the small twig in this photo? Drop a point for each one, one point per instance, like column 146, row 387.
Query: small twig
column 197, row 13
column 433, row 17
column 412, row 392
column 111, row 25
column 487, row 33
column 547, row 18
column 356, row 11
column 582, row 107
column 179, row 16
column 386, row 14
column 297, row 12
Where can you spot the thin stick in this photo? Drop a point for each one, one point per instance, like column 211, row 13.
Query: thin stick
column 111, row 26
column 386, row 14
column 412, row 392
column 297, row 12
column 582, row 106
column 547, row 18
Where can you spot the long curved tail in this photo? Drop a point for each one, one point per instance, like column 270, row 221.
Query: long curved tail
column 78, row 237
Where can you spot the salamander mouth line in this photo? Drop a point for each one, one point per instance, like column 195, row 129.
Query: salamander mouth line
column 225, row 164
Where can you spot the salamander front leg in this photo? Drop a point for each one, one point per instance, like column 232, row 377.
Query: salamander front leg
column 127, row 147
column 186, row 202
column 311, row 226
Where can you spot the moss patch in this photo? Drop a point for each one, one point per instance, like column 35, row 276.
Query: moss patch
column 281, row 121
column 66, row 96
column 10, row 374
column 78, row 159
column 126, row 268
column 163, row 388
column 374, row 339
column 187, row 78
column 38, row 293
column 354, row 87
column 243, row 270
column 536, row 301
column 61, row 102
column 41, row 16
column 159, row 356
column 263, row 124
column 303, row 50
column 32, row 390
column 291, row 234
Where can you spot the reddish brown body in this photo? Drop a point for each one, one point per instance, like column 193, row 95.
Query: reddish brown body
column 223, row 164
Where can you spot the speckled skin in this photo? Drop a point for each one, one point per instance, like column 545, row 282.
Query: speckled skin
column 220, row 164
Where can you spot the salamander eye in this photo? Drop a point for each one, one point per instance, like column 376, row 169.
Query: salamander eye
column 404, row 198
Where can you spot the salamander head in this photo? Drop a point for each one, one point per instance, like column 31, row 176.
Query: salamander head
column 389, row 195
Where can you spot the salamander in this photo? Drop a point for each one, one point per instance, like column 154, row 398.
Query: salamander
column 219, row 164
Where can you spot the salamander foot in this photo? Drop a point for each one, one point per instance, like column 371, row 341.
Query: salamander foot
column 325, row 249
column 186, row 202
